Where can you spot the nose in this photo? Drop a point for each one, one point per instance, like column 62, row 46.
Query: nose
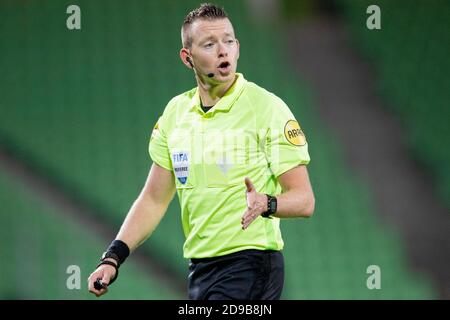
column 222, row 50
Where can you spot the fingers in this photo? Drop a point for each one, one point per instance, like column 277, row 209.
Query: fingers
column 248, row 217
column 105, row 279
column 249, row 184
column 103, row 275
column 98, row 284
column 91, row 280
column 255, row 206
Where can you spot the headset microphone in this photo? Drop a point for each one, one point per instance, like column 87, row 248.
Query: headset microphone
column 188, row 59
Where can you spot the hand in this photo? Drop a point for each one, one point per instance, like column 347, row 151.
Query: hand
column 256, row 204
column 105, row 273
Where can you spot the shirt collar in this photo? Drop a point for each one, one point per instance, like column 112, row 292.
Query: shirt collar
column 226, row 102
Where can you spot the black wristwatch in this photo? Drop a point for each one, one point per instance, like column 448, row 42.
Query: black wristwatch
column 271, row 207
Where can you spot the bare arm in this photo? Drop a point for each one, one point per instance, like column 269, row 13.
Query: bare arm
column 149, row 208
column 142, row 219
column 296, row 200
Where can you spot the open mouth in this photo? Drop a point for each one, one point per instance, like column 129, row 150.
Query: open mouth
column 224, row 66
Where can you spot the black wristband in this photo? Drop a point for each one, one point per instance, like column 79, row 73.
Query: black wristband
column 120, row 249
column 110, row 263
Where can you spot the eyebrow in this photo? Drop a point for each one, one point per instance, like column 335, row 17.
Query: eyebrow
column 227, row 34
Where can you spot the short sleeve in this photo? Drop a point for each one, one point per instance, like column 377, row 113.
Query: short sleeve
column 285, row 146
column 158, row 148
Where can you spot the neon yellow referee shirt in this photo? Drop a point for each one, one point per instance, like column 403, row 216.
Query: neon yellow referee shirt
column 251, row 133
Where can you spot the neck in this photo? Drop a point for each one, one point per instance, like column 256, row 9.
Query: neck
column 210, row 93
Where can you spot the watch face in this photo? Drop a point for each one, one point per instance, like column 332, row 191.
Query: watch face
column 273, row 205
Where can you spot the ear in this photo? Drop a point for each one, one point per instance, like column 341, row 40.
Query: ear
column 184, row 54
column 238, row 47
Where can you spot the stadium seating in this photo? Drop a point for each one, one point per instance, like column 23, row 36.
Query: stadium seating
column 79, row 107
column 411, row 65
column 39, row 242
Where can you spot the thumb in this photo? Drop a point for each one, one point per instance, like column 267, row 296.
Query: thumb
column 249, row 185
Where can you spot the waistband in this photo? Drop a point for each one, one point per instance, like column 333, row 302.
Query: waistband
column 234, row 254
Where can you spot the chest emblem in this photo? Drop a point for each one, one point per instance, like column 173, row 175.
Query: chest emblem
column 180, row 163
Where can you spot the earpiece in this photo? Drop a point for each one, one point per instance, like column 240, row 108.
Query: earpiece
column 190, row 62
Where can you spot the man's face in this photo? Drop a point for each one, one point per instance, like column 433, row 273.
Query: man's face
column 214, row 49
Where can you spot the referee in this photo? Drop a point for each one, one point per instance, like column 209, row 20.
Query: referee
column 236, row 157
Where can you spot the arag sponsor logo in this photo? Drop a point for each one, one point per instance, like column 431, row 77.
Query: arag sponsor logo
column 294, row 133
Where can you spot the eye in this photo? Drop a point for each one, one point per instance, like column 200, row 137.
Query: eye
column 208, row 45
column 230, row 41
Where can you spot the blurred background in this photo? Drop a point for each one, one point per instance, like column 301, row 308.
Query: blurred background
column 77, row 108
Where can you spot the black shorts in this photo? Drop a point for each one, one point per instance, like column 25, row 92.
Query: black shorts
column 244, row 275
